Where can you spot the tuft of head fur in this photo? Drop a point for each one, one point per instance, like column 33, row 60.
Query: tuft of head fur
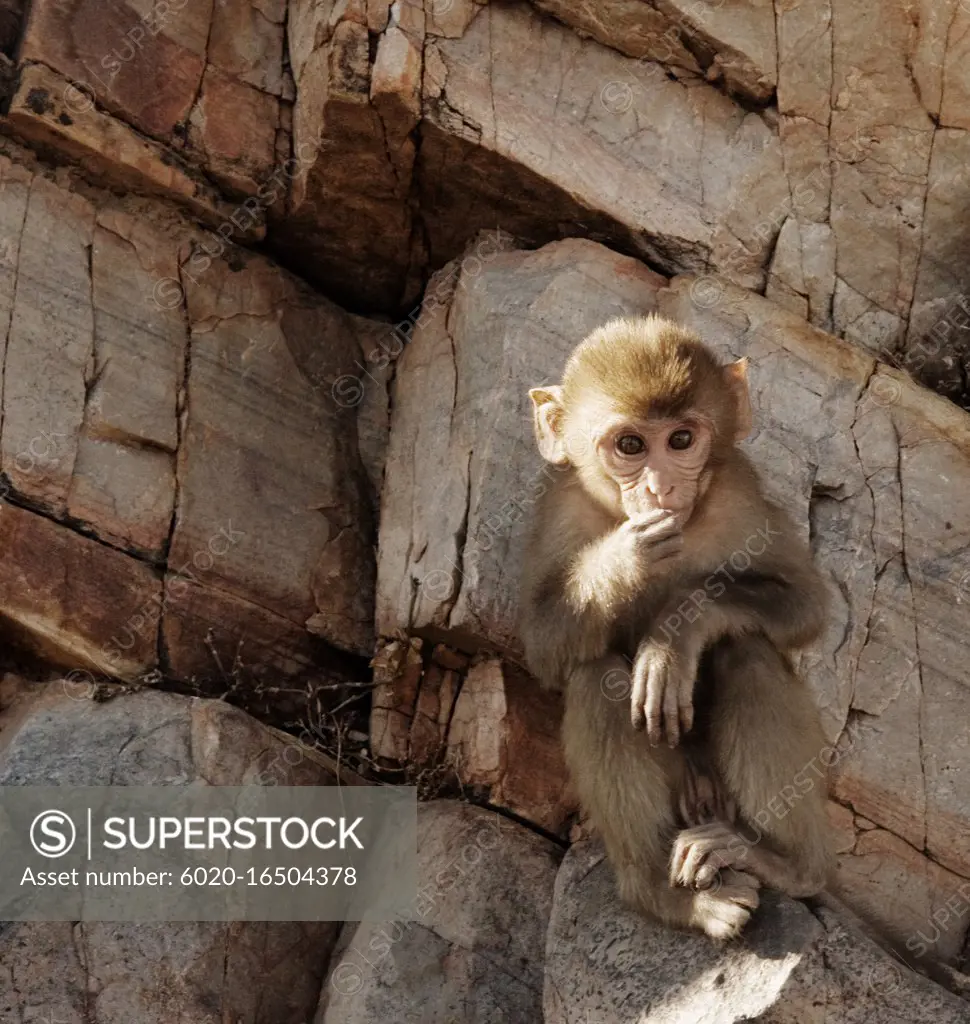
column 650, row 368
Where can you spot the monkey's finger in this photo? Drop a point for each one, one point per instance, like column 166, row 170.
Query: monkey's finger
column 677, row 855
column 671, row 715
column 638, row 695
column 740, row 887
column 696, row 856
column 656, row 684
column 656, row 526
column 685, row 692
column 706, row 876
column 665, row 548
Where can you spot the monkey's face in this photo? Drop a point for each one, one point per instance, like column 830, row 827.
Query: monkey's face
column 656, row 464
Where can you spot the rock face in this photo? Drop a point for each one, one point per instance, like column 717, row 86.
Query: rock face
column 229, row 477
column 118, row 973
column 786, row 148
column 486, row 724
column 196, row 436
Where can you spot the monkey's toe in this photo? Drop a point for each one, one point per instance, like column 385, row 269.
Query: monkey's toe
column 705, row 845
column 723, row 913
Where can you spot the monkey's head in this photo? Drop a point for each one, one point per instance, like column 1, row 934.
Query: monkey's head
column 644, row 413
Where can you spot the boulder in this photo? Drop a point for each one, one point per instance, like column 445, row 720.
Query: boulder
column 558, row 136
column 732, row 42
column 608, row 964
column 349, row 219
column 472, row 950
column 456, row 502
column 123, row 973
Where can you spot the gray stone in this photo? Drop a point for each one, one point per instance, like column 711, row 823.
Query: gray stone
column 606, row 964
column 473, row 949
column 205, row 972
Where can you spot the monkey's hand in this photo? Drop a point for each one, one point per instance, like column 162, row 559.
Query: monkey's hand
column 699, row 854
column 652, row 538
column 662, row 698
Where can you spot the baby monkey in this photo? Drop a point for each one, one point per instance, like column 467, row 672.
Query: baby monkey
column 656, row 559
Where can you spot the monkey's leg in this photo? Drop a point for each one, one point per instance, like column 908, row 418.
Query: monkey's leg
column 765, row 740
column 702, row 798
column 627, row 788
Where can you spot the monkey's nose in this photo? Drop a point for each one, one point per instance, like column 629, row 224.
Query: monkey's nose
column 659, row 488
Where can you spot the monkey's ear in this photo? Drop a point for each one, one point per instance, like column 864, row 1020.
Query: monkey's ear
column 736, row 378
column 547, row 421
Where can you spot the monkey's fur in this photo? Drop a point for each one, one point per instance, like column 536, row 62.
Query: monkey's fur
column 599, row 593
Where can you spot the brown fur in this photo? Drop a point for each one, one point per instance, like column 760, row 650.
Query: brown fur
column 591, row 605
column 650, row 367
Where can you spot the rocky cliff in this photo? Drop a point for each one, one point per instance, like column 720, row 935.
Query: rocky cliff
column 274, row 280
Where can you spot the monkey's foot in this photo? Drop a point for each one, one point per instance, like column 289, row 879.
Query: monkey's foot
column 722, row 913
column 700, row 853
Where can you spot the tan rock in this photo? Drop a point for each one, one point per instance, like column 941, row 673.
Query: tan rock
column 805, row 60
column 200, row 971
column 49, row 344
column 923, row 907
column 632, row 27
column 879, row 191
column 611, row 145
column 78, row 602
column 257, row 517
column 233, row 127
column 938, row 341
column 449, row 18
column 398, row 667
column 124, row 474
column 741, row 33
column 947, row 35
column 608, row 964
column 45, row 111
column 349, row 220
column 106, row 426
column 504, row 736
column 142, row 63
column 246, row 41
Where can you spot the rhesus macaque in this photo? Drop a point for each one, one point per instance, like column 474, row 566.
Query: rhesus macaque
column 656, row 559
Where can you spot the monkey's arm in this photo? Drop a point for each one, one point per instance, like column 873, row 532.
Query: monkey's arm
column 571, row 609
column 786, row 602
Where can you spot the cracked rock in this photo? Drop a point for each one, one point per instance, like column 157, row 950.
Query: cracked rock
column 134, row 973
column 607, row 964
column 473, row 947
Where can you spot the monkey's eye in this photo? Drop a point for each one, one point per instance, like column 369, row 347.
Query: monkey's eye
column 680, row 440
column 630, row 444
